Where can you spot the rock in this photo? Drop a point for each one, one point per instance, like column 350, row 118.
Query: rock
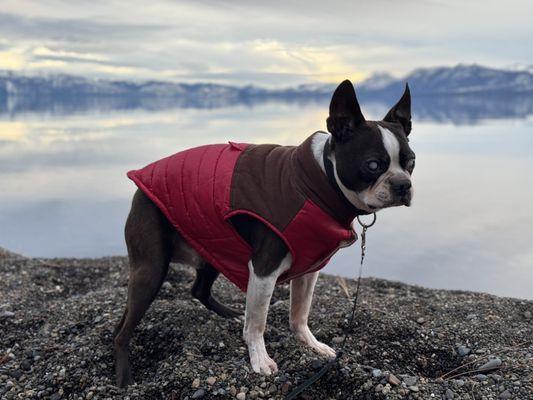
column 481, row 377
column 272, row 388
column 316, row 364
column 253, row 394
column 449, row 394
column 16, row 374
column 376, row 373
column 393, row 380
column 463, row 350
column 337, row 339
column 421, row 320
column 386, row 389
column 211, row 380
column 285, row 388
column 378, row 388
column 198, row 394
column 491, row 364
column 167, row 285
column 410, row 380
column 470, row 317
column 413, row 388
column 195, row 383
column 278, row 303
column 241, row 396
column 459, row 382
column 7, row 314
column 527, row 314
column 55, row 396
column 506, row 395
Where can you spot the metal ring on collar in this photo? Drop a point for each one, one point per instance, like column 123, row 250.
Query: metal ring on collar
column 367, row 225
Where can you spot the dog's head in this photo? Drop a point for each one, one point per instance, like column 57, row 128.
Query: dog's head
column 372, row 158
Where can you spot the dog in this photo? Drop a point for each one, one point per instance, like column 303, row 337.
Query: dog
column 262, row 215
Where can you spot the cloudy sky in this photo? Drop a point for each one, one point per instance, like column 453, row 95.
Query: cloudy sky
column 261, row 42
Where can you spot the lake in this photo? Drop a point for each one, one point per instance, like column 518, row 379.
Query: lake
column 64, row 191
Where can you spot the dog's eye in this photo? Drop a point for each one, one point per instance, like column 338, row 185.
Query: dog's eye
column 372, row 165
column 410, row 165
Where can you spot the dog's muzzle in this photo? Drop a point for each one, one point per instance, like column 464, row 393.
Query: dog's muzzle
column 401, row 189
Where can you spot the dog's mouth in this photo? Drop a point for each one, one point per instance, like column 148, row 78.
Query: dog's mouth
column 404, row 201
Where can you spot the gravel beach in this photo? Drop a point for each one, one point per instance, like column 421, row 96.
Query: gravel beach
column 57, row 317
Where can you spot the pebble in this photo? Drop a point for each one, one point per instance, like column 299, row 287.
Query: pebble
column 285, row 388
column 16, row 374
column 195, row 383
column 7, row 314
column 471, row 317
column 211, row 380
column 376, row 373
column 393, row 380
column 449, row 394
column 505, row 394
column 413, row 388
column 527, row 314
column 241, row 396
column 463, row 350
column 198, row 394
column 337, row 339
column 491, row 364
column 481, row 377
column 410, row 380
column 386, row 389
column 421, row 320
column 459, row 382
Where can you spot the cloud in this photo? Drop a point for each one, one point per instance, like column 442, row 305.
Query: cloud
column 278, row 43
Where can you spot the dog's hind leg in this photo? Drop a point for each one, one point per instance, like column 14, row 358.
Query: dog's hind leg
column 149, row 251
column 206, row 275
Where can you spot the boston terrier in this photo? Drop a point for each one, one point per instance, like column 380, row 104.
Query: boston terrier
column 262, row 215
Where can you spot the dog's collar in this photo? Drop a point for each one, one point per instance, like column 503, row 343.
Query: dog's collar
column 330, row 169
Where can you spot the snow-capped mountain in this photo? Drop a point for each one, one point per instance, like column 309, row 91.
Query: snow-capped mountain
column 461, row 79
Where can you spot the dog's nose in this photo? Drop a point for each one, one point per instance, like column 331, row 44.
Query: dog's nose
column 400, row 186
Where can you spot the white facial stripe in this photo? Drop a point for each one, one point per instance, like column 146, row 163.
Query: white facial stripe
column 392, row 145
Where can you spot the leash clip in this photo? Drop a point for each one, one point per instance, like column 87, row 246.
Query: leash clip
column 366, row 226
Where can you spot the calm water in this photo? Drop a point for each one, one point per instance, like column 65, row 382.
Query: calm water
column 64, row 191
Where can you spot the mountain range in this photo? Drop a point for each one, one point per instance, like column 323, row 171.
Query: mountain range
column 61, row 93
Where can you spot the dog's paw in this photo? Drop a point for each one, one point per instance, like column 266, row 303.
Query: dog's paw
column 260, row 360
column 304, row 335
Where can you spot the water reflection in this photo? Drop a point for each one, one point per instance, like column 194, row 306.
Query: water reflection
column 64, row 190
column 458, row 109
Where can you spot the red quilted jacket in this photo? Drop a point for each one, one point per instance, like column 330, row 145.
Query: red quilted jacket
column 199, row 189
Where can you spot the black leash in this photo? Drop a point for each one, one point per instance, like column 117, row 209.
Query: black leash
column 326, row 367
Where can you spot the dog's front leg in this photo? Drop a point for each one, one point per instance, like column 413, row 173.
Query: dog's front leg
column 301, row 296
column 258, row 297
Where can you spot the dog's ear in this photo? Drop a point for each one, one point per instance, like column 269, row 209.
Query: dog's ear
column 401, row 112
column 344, row 112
